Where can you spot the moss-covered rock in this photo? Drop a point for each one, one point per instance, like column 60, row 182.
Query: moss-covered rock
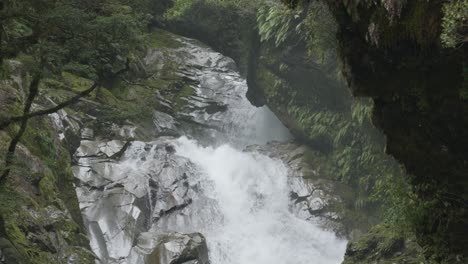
column 383, row 244
column 227, row 26
column 300, row 82
column 396, row 57
column 39, row 216
column 40, row 220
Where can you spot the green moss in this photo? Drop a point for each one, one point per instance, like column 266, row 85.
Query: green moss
column 12, row 105
column 76, row 83
column 67, row 82
column 48, row 188
column 384, row 244
column 53, row 162
column 120, row 106
column 15, row 220
column 4, row 143
column 180, row 99
column 106, row 97
column 162, row 39
column 38, row 138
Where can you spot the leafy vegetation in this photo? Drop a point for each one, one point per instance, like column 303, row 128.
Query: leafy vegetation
column 69, row 44
column 275, row 22
column 180, row 8
column 325, row 114
column 312, row 24
column 455, row 23
column 71, row 48
column 94, row 39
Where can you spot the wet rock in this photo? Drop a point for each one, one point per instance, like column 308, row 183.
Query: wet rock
column 121, row 199
column 87, row 134
column 110, row 148
column 313, row 197
column 173, row 248
column 68, row 128
column 163, row 122
column 87, row 148
column 127, row 132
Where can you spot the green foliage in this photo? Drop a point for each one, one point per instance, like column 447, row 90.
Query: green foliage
column 151, row 9
column 314, row 26
column 24, row 200
column 455, row 23
column 161, row 39
column 361, row 110
column 394, row 192
column 275, row 22
column 318, row 29
column 384, row 244
column 94, row 39
column 225, row 25
column 180, row 8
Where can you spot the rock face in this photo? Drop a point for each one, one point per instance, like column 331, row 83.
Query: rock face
column 397, row 59
column 122, row 197
column 40, row 221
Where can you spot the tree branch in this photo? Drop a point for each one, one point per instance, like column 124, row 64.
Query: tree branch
column 33, row 91
column 54, row 109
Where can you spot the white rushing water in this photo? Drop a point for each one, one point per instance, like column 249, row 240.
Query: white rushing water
column 251, row 222
column 238, row 200
column 256, row 226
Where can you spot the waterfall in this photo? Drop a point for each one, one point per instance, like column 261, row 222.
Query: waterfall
column 204, row 182
column 253, row 223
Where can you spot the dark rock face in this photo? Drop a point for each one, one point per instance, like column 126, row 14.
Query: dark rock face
column 396, row 59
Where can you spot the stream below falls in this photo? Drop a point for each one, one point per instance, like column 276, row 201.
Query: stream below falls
column 201, row 196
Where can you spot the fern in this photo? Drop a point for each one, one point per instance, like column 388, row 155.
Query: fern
column 275, row 23
column 362, row 111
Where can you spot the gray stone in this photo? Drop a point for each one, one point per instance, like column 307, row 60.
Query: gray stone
column 172, row 248
column 163, row 122
column 120, row 199
column 87, row 134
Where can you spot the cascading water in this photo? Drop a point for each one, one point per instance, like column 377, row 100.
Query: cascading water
column 253, row 223
column 239, row 200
